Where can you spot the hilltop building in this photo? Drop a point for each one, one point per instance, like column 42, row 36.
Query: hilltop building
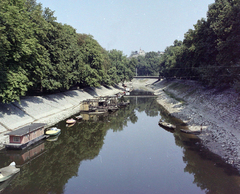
column 136, row 53
column 143, row 53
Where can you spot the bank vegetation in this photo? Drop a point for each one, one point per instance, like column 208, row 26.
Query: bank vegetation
column 210, row 52
column 40, row 55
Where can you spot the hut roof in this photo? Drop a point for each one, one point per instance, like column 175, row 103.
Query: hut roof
column 26, row 129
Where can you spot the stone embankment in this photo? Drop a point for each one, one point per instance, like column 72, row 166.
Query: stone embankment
column 217, row 112
column 49, row 109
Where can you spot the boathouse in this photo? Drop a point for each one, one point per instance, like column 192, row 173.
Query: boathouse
column 25, row 136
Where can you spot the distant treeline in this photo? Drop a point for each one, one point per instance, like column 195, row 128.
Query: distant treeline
column 40, row 55
column 147, row 65
column 211, row 51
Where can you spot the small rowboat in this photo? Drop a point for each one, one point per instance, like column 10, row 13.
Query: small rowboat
column 8, row 172
column 70, row 121
column 166, row 125
column 53, row 131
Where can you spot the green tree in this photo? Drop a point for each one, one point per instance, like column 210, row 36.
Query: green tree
column 18, row 49
column 153, row 60
column 94, row 59
column 124, row 70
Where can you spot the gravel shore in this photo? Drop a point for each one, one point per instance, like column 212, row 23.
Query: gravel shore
column 216, row 112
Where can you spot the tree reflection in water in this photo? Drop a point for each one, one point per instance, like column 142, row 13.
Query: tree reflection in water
column 51, row 171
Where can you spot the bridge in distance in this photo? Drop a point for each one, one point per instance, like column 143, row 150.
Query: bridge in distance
column 146, row 77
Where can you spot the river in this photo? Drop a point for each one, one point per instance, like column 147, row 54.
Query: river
column 122, row 152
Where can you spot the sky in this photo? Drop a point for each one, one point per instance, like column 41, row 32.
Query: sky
column 130, row 25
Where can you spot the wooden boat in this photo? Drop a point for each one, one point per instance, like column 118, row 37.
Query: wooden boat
column 53, row 131
column 8, row 172
column 26, row 136
column 70, row 121
column 191, row 132
column 166, row 125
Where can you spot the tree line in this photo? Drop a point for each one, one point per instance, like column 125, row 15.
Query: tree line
column 147, row 65
column 209, row 52
column 40, row 55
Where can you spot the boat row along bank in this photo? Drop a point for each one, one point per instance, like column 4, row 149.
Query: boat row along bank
column 49, row 109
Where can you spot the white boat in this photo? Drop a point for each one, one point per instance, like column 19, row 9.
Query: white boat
column 70, row 121
column 79, row 117
column 53, row 131
column 8, row 172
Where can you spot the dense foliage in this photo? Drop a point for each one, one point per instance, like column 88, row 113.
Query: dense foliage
column 210, row 51
column 38, row 54
column 147, row 65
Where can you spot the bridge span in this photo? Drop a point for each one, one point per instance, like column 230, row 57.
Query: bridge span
column 146, row 77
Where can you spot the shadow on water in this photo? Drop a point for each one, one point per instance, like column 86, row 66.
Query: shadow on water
column 50, row 171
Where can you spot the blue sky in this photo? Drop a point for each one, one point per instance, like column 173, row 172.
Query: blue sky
column 151, row 25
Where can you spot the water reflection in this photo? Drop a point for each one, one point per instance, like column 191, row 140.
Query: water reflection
column 48, row 167
column 22, row 157
column 210, row 172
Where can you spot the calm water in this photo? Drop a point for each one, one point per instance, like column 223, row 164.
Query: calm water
column 123, row 152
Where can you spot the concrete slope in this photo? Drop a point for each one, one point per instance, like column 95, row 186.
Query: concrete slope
column 49, row 109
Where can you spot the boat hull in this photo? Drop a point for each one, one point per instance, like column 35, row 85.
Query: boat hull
column 166, row 125
column 52, row 132
column 8, row 172
column 71, row 121
column 15, row 146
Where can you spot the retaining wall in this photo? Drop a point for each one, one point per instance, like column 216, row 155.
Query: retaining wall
column 48, row 109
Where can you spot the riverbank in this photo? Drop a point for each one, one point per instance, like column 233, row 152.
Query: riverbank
column 216, row 112
column 49, row 109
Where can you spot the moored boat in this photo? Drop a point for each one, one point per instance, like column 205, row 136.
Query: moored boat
column 26, row 136
column 8, row 172
column 70, row 121
column 53, row 131
column 166, row 125
column 191, row 132
column 79, row 117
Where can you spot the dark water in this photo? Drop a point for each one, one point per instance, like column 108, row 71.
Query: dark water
column 122, row 152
